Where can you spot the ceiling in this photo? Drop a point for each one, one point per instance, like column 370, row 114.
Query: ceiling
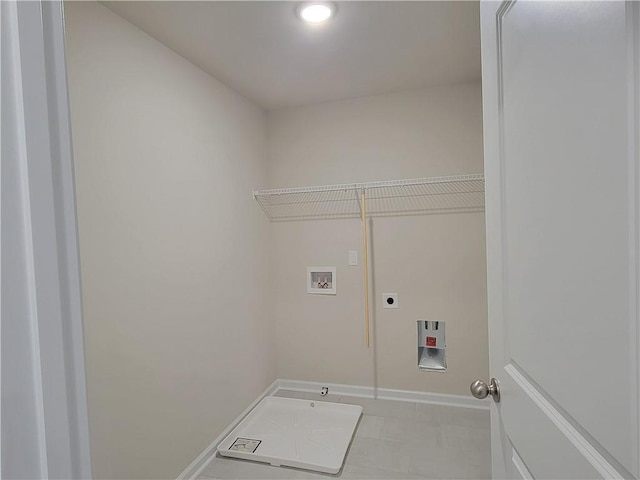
column 263, row 51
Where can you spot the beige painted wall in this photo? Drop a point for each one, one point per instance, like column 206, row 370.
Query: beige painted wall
column 435, row 263
column 182, row 272
column 174, row 251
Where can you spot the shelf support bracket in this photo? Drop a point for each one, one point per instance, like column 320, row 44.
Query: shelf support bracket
column 358, row 191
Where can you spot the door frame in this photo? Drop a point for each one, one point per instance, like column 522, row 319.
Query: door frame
column 38, row 142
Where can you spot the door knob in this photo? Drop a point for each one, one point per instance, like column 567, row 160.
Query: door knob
column 479, row 389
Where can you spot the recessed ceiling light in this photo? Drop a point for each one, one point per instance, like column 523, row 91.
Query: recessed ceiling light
column 316, row 12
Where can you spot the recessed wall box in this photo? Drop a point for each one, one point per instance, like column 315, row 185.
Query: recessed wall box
column 431, row 346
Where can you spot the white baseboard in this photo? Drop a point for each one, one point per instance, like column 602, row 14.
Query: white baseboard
column 386, row 394
column 196, row 467
column 200, row 463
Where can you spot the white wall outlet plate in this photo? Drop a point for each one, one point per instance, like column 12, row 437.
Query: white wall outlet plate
column 353, row 257
column 390, row 300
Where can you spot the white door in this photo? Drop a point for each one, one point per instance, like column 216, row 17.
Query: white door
column 561, row 99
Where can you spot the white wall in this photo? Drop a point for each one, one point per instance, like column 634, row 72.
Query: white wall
column 436, row 263
column 174, row 252
column 182, row 272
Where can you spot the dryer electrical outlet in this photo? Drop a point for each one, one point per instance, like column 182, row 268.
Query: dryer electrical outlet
column 390, row 300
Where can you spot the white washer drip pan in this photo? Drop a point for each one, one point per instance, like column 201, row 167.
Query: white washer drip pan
column 294, row 433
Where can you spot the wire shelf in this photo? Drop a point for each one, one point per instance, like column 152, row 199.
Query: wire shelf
column 419, row 196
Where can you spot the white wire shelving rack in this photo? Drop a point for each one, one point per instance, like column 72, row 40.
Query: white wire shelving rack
column 418, row 196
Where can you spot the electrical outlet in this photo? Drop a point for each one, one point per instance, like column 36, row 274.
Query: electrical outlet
column 390, row 300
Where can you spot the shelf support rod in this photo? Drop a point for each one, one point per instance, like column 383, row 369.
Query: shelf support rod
column 365, row 264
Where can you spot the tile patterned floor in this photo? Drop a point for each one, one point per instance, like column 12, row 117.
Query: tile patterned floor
column 394, row 440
